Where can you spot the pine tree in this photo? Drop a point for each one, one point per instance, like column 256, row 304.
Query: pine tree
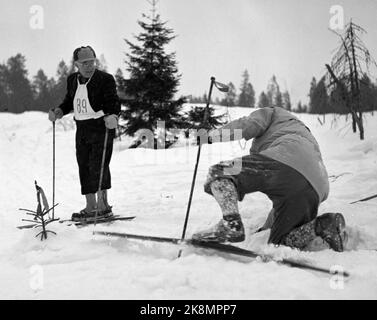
column 153, row 80
column 43, row 91
column 348, row 66
column 279, row 100
column 368, row 94
column 301, row 108
column 121, row 87
column 273, row 93
column 313, row 86
column 286, row 101
column 4, row 89
column 20, row 93
column 263, row 101
column 247, row 94
column 319, row 99
column 60, row 86
column 336, row 101
column 196, row 116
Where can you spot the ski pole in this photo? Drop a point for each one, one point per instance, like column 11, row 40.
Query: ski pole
column 53, row 170
column 205, row 118
column 101, row 172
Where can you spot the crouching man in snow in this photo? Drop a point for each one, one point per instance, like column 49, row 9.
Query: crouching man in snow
column 284, row 163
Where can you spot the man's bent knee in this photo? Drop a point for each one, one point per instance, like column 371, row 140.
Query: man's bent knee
column 215, row 172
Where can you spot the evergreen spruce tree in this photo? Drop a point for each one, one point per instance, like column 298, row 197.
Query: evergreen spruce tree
column 153, row 79
column 247, row 93
column 263, row 101
column 273, row 93
column 120, row 84
column 301, row 108
column 319, row 99
column 20, row 94
column 59, row 88
column 279, row 100
column 368, row 94
column 42, row 87
column 337, row 102
column 4, row 89
column 313, row 85
column 286, row 101
column 196, row 116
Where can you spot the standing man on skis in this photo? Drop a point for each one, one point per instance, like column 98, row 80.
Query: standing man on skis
column 92, row 96
column 285, row 163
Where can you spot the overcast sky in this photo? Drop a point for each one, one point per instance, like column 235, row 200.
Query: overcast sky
column 221, row 38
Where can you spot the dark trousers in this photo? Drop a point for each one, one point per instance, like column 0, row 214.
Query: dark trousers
column 90, row 137
column 294, row 200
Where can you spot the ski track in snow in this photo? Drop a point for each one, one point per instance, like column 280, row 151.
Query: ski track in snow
column 155, row 186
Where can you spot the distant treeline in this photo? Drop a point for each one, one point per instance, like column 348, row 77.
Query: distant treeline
column 18, row 93
column 246, row 96
column 321, row 101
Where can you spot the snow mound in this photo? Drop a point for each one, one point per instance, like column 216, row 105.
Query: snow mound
column 155, row 186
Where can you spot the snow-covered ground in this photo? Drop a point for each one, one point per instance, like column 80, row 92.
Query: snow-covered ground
column 155, row 186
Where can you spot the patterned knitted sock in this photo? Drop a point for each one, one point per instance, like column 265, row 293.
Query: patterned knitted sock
column 225, row 193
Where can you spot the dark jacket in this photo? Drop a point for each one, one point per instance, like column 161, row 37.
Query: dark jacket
column 102, row 93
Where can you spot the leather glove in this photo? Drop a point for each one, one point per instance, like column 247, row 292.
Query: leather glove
column 55, row 114
column 111, row 121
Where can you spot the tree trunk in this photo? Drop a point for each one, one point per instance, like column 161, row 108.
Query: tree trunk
column 360, row 125
column 356, row 89
column 353, row 121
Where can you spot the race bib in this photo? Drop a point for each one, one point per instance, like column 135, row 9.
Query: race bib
column 81, row 104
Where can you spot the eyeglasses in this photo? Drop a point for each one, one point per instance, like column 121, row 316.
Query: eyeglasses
column 89, row 63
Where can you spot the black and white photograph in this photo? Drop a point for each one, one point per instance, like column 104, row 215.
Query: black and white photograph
column 168, row 151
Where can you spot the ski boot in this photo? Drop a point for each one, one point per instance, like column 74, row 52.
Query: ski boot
column 331, row 227
column 85, row 216
column 227, row 229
